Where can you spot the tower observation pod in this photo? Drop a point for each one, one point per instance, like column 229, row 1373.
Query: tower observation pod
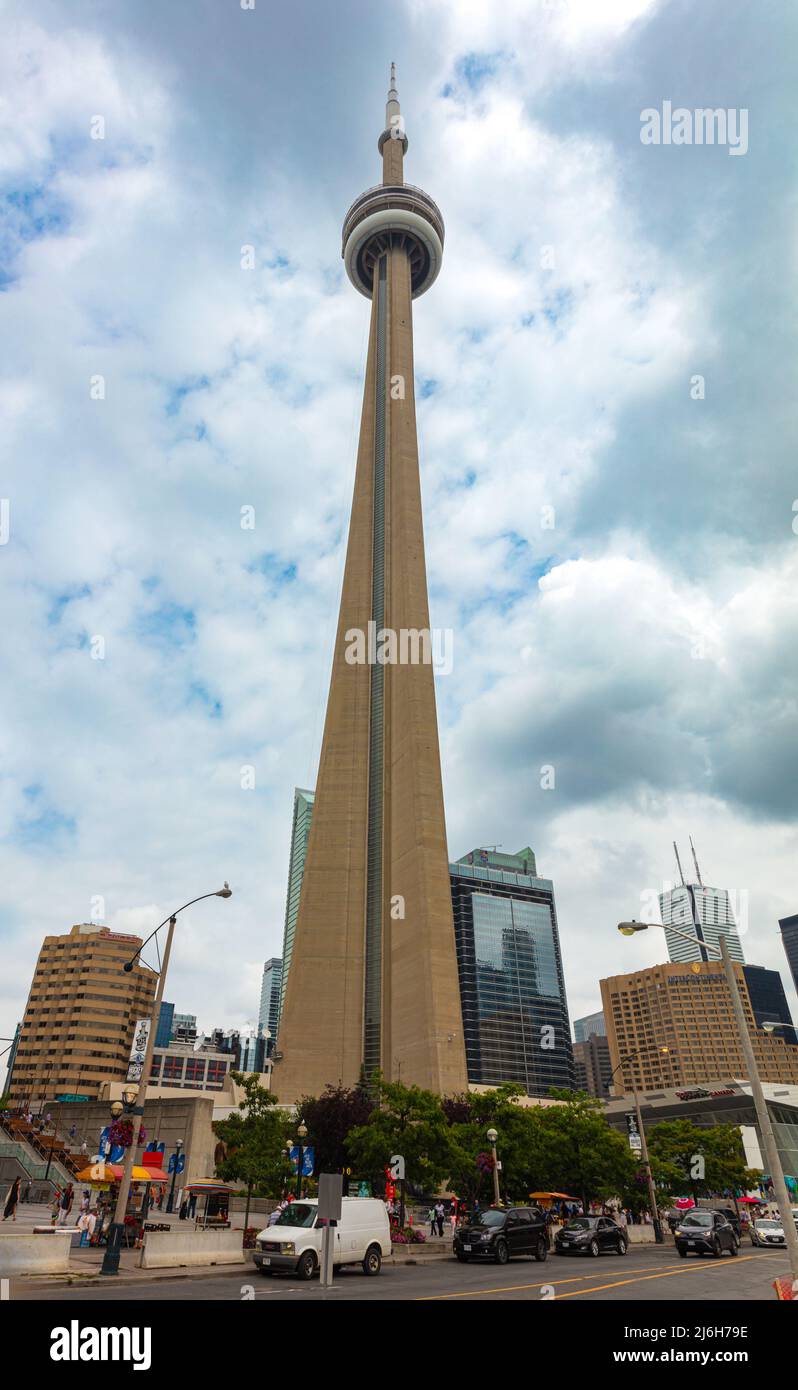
column 373, row 983
column 394, row 214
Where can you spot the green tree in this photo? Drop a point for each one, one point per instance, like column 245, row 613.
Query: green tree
column 687, row 1158
column 330, row 1118
column 520, row 1144
column 253, row 1137
column 406, row 1120
column 583, row 1155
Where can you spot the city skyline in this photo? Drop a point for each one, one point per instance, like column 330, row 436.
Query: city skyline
column 624, row 647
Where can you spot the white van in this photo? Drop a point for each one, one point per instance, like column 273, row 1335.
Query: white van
column 362, row 1236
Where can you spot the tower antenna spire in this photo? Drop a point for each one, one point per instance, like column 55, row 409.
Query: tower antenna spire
column 679, row 862
column 392, row 107
column 695, row 861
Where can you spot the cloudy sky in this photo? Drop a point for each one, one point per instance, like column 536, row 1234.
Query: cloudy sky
column 644, row 645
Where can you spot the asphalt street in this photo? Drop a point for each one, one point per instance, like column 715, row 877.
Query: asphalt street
column 649, row 1274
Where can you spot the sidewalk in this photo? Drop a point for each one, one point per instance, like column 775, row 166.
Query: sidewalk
column 86, row 1261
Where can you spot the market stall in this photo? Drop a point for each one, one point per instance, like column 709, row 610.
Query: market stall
column 214, row 1200
column 104, row 1179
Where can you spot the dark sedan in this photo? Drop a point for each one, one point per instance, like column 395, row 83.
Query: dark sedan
column 591, row 1235
column 499, row 1234
column 706, row 1233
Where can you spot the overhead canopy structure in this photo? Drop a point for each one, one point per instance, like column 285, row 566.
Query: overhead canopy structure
column 112, row 1172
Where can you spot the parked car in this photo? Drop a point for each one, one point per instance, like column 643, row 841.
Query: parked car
column 591, row 1235
column 731, row 1216
column 497, row 1235
column 293, row 1243
column 706, row 1232
column 766, row 1231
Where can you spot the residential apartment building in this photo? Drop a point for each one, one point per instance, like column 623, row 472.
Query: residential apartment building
column 82, row 1008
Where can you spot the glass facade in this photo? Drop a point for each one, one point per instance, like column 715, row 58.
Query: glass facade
column 515, row 1015
column 703, row 913
column 269, row 1011
column 590, row 1026
column 768, row 1000
column 303, row 815
column 788, row 927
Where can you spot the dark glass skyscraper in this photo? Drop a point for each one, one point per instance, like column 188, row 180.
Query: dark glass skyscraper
column 789, row 936
column 512, row 989
column 768, row 1000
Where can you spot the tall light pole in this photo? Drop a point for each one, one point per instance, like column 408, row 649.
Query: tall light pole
column 492, row 1137
column 303, row 1134
column 110, row 1264
column 764, row 1124
column 170, row 1205
column 644, row 1158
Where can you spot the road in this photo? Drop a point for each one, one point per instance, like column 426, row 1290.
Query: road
column 650, row 1274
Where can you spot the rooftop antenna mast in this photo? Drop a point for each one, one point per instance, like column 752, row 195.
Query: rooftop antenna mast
column 695, row 861
column 679, row 862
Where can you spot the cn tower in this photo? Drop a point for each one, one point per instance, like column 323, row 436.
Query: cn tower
column 373, row 980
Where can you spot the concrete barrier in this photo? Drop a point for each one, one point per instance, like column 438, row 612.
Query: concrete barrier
column 46, row 1252
column 640, row 1235
column 167, row 1249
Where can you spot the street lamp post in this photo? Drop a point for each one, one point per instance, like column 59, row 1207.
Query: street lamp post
column 110, row 1264
column 302, row 1133
column 170, row 1205
column 764, row 1124
column 492, row 1137
column 644, row 1158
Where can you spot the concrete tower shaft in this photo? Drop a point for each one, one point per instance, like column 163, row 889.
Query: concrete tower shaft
column 373, row 980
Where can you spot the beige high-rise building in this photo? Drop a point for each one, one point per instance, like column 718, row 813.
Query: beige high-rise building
column 686, row 1009
column 79, row 1019
column 373, row 980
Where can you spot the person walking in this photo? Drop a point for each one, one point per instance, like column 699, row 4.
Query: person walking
column 10, row 1208
column 65, row 1204
column 73, row 1131
column 440, row 1214
column 432, row 1217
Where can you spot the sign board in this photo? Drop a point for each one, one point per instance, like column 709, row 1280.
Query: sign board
column 176, row 1163
column 331, row 1186
column 635, row 1142
column 397, row 1167
column 141, row 1034
column 308, row 1160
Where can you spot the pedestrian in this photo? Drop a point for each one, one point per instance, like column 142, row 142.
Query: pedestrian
column 432, row 1218
column 84, row 1149
column 65, row 1204
column 73, row 1131
column 84, row 1207
column 26, row 1192
column 10, row 1208
column 192, row 1206
column 85, row 1224
column 440, row 1213
column 453, row 1216
column 55, row 1206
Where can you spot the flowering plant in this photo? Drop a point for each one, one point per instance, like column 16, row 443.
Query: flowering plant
column 120, row 1134
column 485, row 1162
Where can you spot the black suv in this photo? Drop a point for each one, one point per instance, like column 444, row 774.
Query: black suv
column 705, row 1232
column 591, row 1235
column 497, row 1234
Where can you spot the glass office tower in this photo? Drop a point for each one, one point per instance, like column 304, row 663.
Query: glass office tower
column 303, row 814
column 512, row 989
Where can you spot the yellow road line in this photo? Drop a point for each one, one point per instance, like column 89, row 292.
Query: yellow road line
column 513, row 1288
column 666, row 1275
column 641, row 1277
